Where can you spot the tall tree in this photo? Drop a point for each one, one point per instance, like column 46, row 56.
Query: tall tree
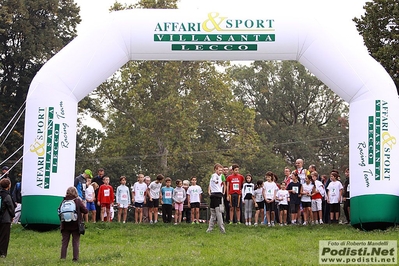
column 31, row 32
column 295, row 112
column 379, row 27
column 177, row 118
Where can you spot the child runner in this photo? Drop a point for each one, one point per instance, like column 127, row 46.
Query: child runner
column 122, row 199
column 317, row 197
column 269, row 193
column 259, row 202
column 153, row 191
column 234, row 186
column 306, row 192
column 139, row 191
column 284, row 198
column 294, row 188
column 90, row 197
column 179, row 196
column 105, row 199
column 216, row 195
column 334, row 197
column 248, row 198
column 166, row 201
column 194, row 194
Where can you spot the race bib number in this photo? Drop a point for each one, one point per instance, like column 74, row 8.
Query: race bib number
column 179, row 195
column 124, row 196
column 236, row 187
column 248, row 190
column 295, row 189
column 168, row 195
column 269, row 194
column 106, row 192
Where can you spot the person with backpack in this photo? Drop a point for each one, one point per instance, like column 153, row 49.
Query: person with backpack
column 70, row 211
column 7, row 212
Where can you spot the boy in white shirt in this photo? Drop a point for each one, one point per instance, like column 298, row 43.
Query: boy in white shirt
column 153, row 191
column 139, row 191
column 334, row 197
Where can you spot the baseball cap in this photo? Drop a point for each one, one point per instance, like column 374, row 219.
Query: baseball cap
column 89, row 173
column 5, row 168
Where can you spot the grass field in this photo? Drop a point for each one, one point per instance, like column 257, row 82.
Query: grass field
column 184, row 244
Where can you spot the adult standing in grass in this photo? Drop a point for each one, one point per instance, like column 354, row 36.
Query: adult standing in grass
column 216, row 195
column 72, row 227
column 7, row 213
column 99, row 180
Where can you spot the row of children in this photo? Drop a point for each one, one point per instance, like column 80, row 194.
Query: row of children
column 289, row 197
column 140, row 195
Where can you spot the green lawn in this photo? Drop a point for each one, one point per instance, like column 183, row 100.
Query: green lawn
column 184, row 244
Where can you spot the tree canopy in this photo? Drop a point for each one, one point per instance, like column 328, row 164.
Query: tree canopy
column 379, row 27
column 31, row 32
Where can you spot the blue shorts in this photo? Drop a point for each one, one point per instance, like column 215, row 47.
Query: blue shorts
column 90, row 206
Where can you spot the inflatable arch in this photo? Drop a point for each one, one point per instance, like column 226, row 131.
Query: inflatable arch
column 51, row 114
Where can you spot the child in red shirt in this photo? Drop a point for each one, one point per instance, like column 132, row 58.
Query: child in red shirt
column 105, row 198
column 234, row 186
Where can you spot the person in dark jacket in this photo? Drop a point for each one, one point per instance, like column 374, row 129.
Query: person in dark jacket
column 7, row 214
column 72, row 227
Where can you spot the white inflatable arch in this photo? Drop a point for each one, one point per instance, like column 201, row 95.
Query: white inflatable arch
column 50, row 124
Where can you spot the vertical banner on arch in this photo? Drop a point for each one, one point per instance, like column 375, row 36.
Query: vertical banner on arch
column 373, row 157
column 48, row 146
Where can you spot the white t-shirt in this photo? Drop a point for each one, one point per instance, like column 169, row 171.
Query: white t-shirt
column 89, row 193
column 216, row 183
column 334, row 191
column 194, row 192
column 259, row 195
column 269, row 189
column 139, row 191
column 307, row 188
column 155, row 189
column 283, row 196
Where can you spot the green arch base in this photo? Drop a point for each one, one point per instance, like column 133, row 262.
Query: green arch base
column 39, row 212
column 377, row 211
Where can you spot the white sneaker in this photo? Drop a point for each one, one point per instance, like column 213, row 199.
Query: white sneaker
column 272, row 223
column 321, row 222
column 304, row 223
column 255, row 224
column 269, row 224
column 246, row 223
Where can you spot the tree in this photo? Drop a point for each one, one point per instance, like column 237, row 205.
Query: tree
column 31, row 32
column 297, row 116
column 176, row 118
column 379, row 27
